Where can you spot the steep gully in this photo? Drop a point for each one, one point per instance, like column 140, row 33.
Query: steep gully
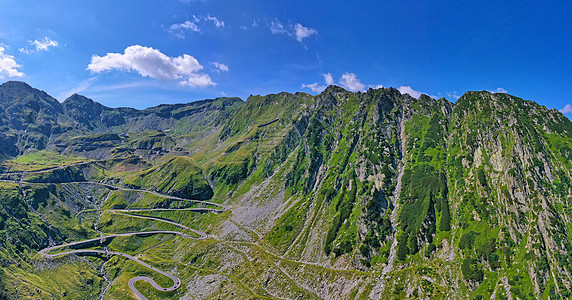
column 46, row 252
column 395, row 199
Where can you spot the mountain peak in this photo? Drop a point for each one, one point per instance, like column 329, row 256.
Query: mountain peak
column 15, row 85
column 18, row 93
column 374, row 181
column 334, row 89
column 77, row 99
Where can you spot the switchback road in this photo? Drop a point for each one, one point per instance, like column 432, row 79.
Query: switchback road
column 47, row 252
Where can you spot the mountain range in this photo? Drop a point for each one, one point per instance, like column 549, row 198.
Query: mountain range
column 342, row 195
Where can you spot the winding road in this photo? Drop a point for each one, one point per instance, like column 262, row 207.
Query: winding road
column 47, row 252
column 176, row 281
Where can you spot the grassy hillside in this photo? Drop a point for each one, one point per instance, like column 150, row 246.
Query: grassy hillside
column 179, row 176
column 372, row 195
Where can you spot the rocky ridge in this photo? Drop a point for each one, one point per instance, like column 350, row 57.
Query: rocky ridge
column 351, row 195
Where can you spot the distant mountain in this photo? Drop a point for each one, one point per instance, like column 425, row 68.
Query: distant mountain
column 91, row 114
column 31, row 119
column 28, row 117
column 367, row 195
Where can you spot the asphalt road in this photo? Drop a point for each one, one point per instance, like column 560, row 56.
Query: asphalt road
column 153, row 193
column 201, row 234
column 46, row 252
column 176, row 281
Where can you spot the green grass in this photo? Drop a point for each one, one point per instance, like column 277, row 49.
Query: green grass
column 178, row 176
column 289, row 226
column 66, row 279
column 40, row 160
column 350, row 137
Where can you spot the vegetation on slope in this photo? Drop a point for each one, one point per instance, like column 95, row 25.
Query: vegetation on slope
column 464, row 200
column 179, row 176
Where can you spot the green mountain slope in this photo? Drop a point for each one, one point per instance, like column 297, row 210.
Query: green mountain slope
column 179, row 176
column 373, row 195
column 33, row 120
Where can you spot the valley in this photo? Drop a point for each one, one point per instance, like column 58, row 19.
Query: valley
column 342, row 195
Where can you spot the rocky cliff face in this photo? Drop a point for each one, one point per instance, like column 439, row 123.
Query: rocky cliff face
column 28, row 117
column 339, row 195
column 475, row 192
column 512, row 177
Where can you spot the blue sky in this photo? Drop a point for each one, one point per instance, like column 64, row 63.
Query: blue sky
column 143, row 53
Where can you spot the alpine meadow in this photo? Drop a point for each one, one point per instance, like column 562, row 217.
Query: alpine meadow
column 339, row 150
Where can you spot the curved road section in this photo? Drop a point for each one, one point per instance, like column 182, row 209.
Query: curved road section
column 175, row 279
column 128, row 212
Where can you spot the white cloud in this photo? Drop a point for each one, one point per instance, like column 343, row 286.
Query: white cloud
column 328, row 78
column 408, row 90
column 376, row 86
column 186, row 25
column 122, row 86
column 298, row 31
column 453, row 95
column 567, row 109
column 8, row 65
column 42, row 45
column 218, row 23
column 149, row 62
column 197, row 80
column 179, row 29
column 315, row 87
column 499, row 90
column 349, row 81
column 82, row 86
column 277, row 28
column 220, row 67
column 45, row 44
column 303, row 32
column 318, row 88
